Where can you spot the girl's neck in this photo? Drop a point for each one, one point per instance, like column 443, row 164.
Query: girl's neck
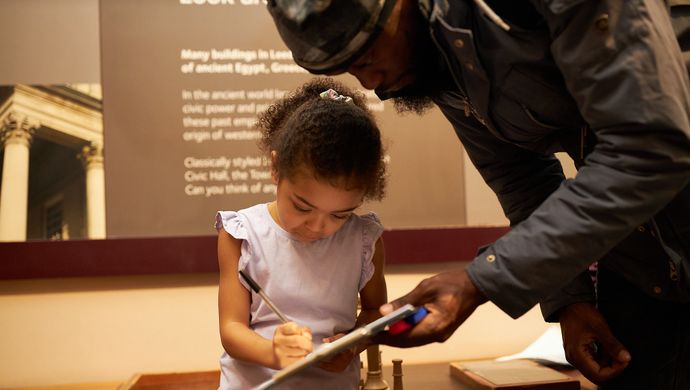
column 273, row 210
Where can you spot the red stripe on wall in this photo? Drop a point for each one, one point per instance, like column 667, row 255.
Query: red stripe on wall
column 174, row 255
column 438, row 244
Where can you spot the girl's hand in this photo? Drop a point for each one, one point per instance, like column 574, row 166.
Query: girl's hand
column 339, row 362
column 291, row 343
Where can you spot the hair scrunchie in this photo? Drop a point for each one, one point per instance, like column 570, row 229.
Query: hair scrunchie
column 333, row 95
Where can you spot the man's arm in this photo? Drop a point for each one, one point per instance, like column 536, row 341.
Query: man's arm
column 581, row 289
column 631, row 87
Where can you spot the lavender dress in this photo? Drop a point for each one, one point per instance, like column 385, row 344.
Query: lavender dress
column 315, row 284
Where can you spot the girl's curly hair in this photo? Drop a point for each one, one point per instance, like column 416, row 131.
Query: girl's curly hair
column 338, row 141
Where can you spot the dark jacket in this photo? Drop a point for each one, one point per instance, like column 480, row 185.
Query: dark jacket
column 603, row 81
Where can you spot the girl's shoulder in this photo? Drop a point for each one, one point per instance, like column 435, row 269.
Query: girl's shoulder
column 238, row 223
column 370, row 218
column 368, row 224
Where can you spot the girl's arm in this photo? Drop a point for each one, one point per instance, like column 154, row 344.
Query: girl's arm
column 373, row 295
column 290, row 341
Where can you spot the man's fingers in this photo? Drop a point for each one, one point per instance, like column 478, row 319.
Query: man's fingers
column 615, row 356
column 609, row 372
column 390, row 307
column 623, row 356
column 403, row 340
column 428, row 330
column 600, row 362
column 613, row 348
column 414, row 297
column 585, row 359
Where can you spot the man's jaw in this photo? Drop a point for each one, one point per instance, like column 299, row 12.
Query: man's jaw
column 392, row 93
column 411, row 98
column 385, row 94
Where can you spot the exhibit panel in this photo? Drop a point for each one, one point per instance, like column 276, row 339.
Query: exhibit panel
column 183, row 83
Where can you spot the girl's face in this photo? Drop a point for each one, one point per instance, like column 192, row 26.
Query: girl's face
column 310, row 209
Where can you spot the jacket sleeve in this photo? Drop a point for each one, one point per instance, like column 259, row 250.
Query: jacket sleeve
column 581, row 289
column 521, row 180
column 622, row 64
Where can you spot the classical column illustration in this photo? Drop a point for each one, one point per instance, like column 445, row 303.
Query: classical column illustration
column 92, row 158
column 15, row 137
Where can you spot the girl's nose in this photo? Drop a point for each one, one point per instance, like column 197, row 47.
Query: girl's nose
column 317, row 224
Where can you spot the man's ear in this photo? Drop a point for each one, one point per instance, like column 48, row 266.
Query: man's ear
column 274, row 171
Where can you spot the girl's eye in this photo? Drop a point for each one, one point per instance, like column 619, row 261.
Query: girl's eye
column 340, row 216
column 300, row 209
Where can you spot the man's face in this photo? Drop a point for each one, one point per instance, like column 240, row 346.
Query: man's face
column 401, row 62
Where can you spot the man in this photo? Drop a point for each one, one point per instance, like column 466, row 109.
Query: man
column 519, row 80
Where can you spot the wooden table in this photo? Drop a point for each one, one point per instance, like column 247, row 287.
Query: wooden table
column 434, row 376
column 437, row 376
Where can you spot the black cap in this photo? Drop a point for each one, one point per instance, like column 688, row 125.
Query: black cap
column 328, row 35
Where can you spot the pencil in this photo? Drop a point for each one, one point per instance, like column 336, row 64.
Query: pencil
column 257, row 289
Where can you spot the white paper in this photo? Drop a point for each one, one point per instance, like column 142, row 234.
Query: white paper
column 547, row 349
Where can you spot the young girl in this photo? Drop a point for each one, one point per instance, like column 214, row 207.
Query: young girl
column 308, row 250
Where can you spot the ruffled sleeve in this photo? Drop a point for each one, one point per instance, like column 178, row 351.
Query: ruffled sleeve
column 371, row 231
column 234, row 223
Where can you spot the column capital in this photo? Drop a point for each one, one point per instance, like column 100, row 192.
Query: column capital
column 17, row 129
column 91, row 155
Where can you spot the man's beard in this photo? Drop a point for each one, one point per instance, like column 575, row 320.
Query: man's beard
column 418, row 104
column 432, row 77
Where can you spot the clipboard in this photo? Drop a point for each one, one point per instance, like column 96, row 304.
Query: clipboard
column 330, row 349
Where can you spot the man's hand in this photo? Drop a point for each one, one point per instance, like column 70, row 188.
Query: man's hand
column 450, row 297
column 291, row 343
column 339, row 362
column 589, row 344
